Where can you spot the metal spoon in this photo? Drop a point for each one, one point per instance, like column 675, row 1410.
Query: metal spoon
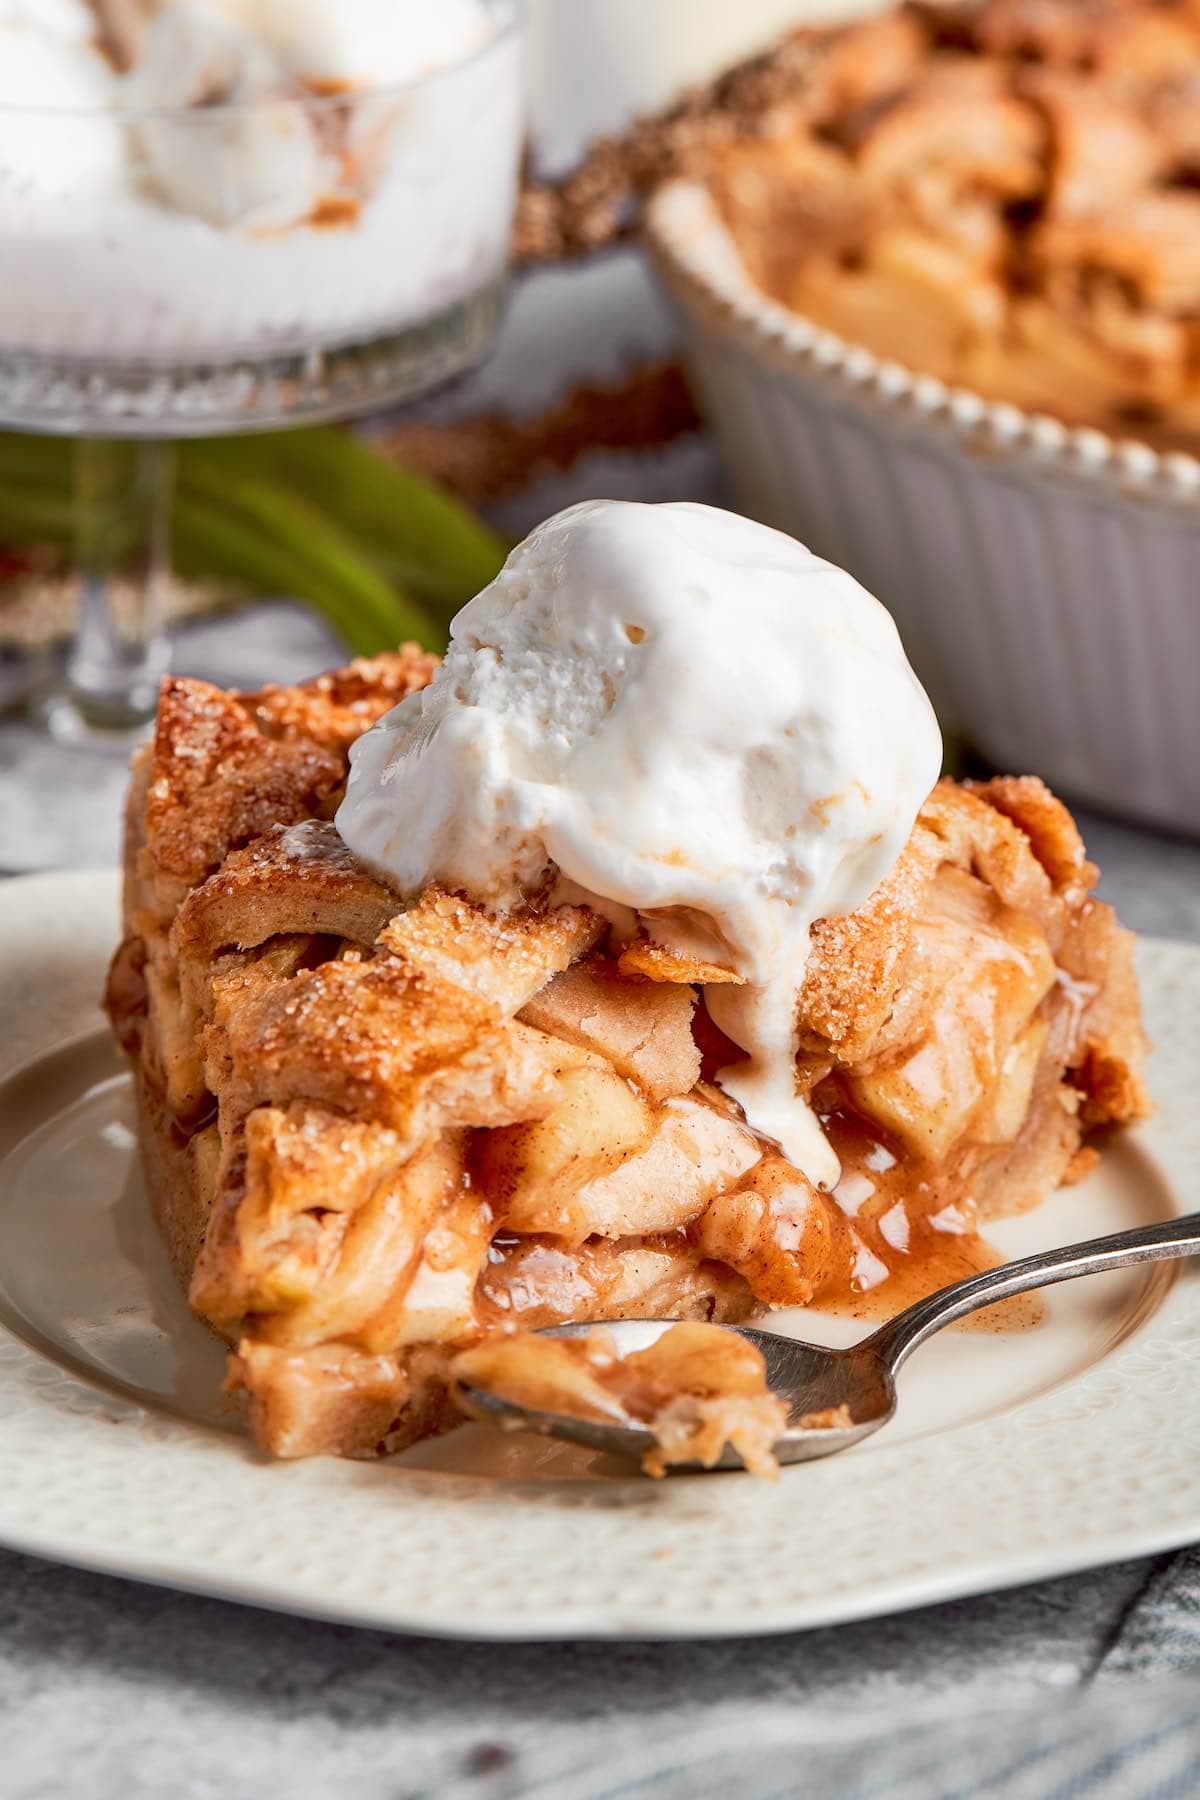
column 863, row 1378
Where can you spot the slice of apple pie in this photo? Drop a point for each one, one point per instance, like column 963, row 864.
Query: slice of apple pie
column 377, row 1129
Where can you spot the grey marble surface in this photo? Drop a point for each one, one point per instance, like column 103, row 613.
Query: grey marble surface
column 109, row 1690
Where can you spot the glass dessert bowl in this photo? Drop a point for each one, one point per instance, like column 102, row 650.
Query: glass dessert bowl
column 228, row 215
column 766, row 1054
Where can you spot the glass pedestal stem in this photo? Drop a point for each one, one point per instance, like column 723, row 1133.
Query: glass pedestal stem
column 122, row 523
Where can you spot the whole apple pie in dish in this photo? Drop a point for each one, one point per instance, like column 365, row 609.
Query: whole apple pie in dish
column 1002, row 195
column 385, row 1120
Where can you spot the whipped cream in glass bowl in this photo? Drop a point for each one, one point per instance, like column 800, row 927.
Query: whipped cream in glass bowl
column 243, row 179
column 225, row 215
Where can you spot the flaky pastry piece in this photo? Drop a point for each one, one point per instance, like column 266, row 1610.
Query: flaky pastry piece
column 378, row 1130
column 696, row 1389
column 1002, row 195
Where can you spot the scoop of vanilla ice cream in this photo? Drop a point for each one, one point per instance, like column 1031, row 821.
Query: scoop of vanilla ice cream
column 60, row 140
column 220, row 137
column 678, row 714
column 363, row 43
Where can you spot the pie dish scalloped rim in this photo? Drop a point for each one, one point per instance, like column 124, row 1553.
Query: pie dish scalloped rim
column 694, row 247
column 1099, row 1468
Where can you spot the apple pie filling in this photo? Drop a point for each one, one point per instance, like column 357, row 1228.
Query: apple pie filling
column 1001, row 195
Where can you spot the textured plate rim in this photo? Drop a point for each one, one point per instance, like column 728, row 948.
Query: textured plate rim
column 1096, row 1470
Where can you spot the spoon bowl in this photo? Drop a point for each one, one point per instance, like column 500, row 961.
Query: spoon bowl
column 811, row 1379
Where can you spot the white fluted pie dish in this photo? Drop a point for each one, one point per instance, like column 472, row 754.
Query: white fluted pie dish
column 1046, row 580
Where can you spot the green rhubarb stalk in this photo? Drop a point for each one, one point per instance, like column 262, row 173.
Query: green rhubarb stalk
column 36, row 498
column 337, row 563
column 432, row 542
column 208, row 542
column 316, row 514
column 33, row 516
column 211, row 538
column 271, row 545
column 35, row 459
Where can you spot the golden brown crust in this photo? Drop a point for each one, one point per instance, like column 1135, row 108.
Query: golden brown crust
column 491, row 455
column 295, row 878
column 180, row 1176
column 385, row 1041
column 503, row 961
column 125, row 997
column 335, row 1401
column 658, row 963
column 281, row 1214
column 225, row 768
column 1052, row 833
column 335, row 708
column 217, row 781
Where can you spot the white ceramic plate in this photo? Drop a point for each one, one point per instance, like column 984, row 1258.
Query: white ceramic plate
column 1018, row 1454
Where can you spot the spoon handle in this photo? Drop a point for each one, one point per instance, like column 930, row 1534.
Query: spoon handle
column 1149, row 1243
